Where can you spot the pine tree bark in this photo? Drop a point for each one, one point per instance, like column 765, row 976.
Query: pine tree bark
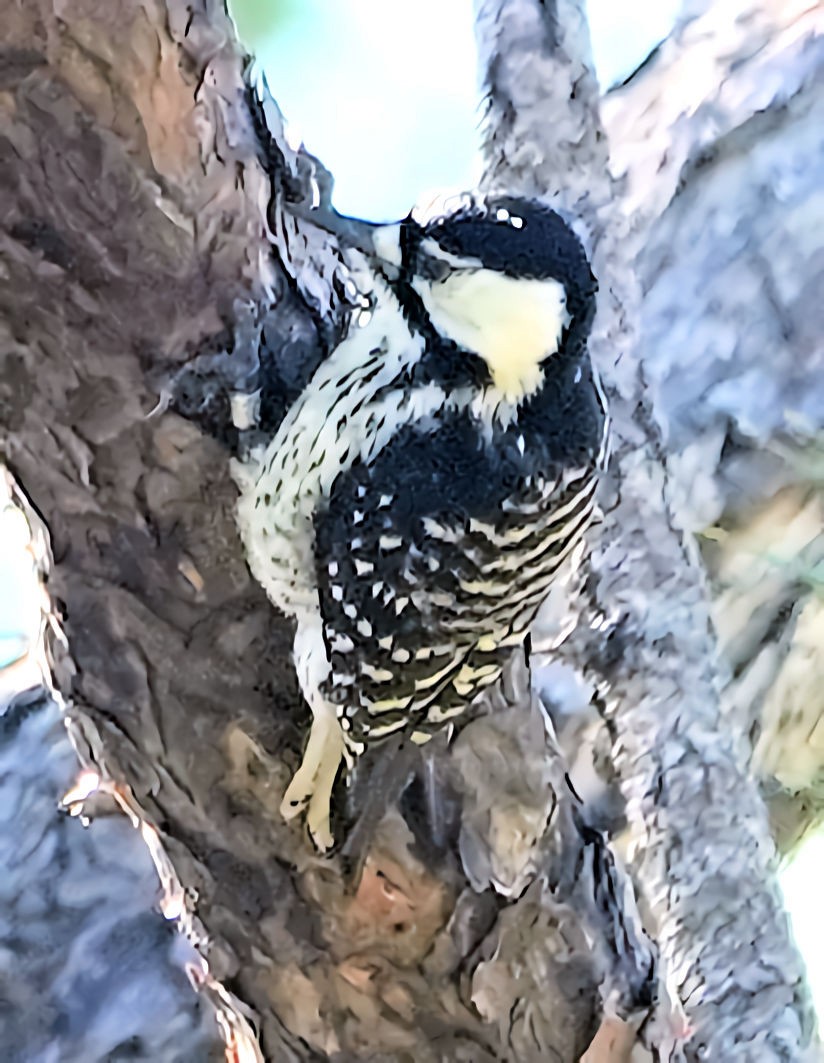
column 142, row 201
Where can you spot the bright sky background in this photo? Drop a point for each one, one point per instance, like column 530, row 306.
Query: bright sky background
column 384, row 93
column 801, row 883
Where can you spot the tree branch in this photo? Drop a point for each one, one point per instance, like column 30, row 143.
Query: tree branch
column 704, row 858
column 730, row 269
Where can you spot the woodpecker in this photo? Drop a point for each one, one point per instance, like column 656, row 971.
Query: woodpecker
column 434, row 474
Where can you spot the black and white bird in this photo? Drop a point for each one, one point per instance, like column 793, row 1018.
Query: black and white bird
column 431, row 479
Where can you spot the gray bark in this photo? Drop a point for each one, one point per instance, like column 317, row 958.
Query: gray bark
column 725, row 174
column 703, row 842
column 136, row 254
column 88, row 969
column 140, row 274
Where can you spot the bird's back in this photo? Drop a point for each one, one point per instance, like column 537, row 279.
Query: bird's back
column 435, row 555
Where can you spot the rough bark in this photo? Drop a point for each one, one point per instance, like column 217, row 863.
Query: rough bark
column 140, row 273
column 135, row 242
column 717, row 145
column 131, row 227
column 701, row 831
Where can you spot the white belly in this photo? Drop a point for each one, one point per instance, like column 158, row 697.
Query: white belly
column 333, row 423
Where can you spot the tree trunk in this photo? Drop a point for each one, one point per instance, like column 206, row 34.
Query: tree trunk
column 151, row 268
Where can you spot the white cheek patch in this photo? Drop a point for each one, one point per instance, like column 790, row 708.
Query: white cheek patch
column 513, row 324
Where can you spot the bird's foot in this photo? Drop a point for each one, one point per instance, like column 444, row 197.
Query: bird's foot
column 311, row 786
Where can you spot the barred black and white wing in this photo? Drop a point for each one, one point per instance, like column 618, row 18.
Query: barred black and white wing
column 436, row 556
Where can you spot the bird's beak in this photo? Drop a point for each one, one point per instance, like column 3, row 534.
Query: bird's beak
column 374, row 239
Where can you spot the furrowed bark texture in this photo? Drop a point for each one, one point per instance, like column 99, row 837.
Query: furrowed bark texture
column 139, row 272
column 137, row 235
column 716, row 144
column 131, row 226
column 704, row 856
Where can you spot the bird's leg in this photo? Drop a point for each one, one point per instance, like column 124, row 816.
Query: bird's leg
column 302, row 786
column 313, row 781
column 317, row 816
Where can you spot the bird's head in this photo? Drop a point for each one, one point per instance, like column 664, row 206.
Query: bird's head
column 503, row 278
